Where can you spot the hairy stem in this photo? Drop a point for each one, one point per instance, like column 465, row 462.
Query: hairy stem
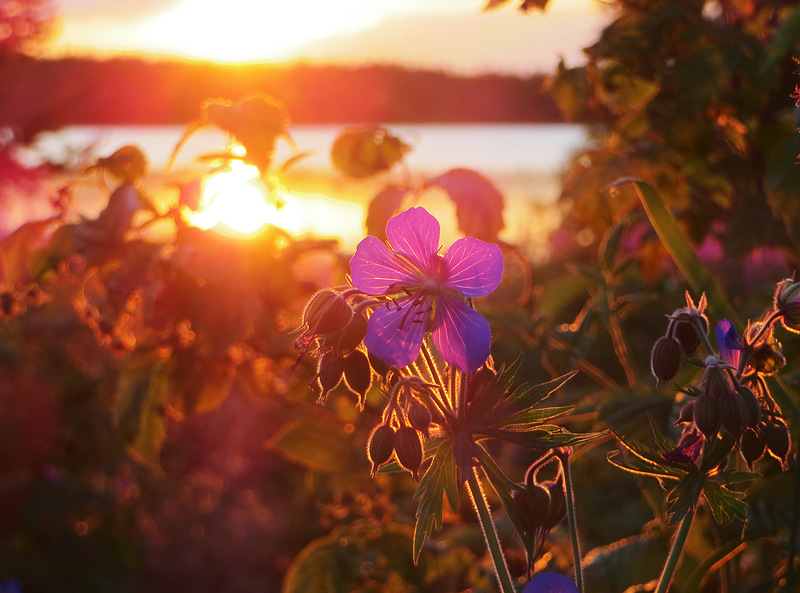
column 675, row 553
column 571, row 520
column 489, row 532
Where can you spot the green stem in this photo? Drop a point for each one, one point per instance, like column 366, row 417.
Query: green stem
column 489, row 532
column 572, row 523
column 675, row 553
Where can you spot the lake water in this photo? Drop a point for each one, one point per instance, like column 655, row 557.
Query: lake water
column 524, row 161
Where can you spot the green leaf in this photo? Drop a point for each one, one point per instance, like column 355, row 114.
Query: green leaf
column 314, row 443
column 531, row 395
column 683, row 498
column 531, row 417
column 652, row 457
column 636, row 466
column 143, row 392
column 440, row 479
column 681, row 250
column 625, row 563
column 725, row 505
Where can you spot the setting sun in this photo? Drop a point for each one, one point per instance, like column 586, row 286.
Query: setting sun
column 251, row 30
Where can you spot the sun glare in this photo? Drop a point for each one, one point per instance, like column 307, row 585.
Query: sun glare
column 254, row 30
column 235, row 201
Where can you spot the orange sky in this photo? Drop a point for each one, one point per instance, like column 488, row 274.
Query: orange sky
column 440, row 34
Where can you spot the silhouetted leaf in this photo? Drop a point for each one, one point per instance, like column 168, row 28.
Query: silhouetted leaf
column 439, row 479
column 365, row 151
column 479, row 204
column 382, row 207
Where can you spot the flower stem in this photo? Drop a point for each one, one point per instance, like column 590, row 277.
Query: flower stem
column 675, row 553
column 489, row 532
column 571, row 519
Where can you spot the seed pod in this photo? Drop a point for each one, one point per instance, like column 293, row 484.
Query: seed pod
column 326, row 313
column 558, row 502
column 751, row 405
column 329, row 375
column 408, row 448
column 380, row 445
column 752, row 446
column 358, row 374
column 787, row 302
column 686, row 334
column 732, row 414
column 352, row 334
column 706, row 414
column 533, row 504
column 419, row 417
column 776, row 436
column 665, row 358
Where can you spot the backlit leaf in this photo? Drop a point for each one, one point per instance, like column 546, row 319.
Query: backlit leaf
column 479, row 204
column 439, row 480
column 314, row 443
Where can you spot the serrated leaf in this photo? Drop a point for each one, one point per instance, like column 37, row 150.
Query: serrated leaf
column 314, row 443
column 638, row 467
column 439, row 480
column 725, row 505
column 653, row 457
column 530, row 395
column 682, row 499
column 543, row 437
column 531, row 417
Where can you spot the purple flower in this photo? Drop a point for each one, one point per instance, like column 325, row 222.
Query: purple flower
column 729, row 343
column 550, row 582
column 424, row 291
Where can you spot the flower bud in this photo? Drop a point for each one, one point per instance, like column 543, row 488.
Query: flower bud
column 408, row 448
column 776, row 436
column 665, row 358
column 752, row 446
column 352, row 334
column 686, row 334
column 326, row 312
column 419, row 417
column 732, row 414
column 751, row 405
column 358, row 374
column 533, row 504
column 558, row 503
column 706, row 414
column 380, row 445
column 329, row 375
column 787, row 302
column 715, row 381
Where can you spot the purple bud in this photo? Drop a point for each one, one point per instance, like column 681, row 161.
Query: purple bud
column 326, row 313
column 732, row 414
column 752, row 446
column 751, row 405
column 419, row 417
column 358, row 373
column 707, row 414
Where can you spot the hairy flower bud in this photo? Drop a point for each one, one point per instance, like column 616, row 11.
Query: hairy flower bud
column 787, row 302
column 751, row 405
column 752, row 446
column 776, row 436
column 533, row 505
column 665, row 358
column 380, row 445
column 419, row 417
column 707, row 414
column 329, row 374
column 408, row 448
column 686, row 414
column 685, row 322
column 326, row 313
column 558, row 502
column 732, row 414
column 358, row 374
column 351, row 335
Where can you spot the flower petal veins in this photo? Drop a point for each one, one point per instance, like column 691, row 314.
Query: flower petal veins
column 415, row 234
column 374, row 268
column 395, row 336
column 476, row 267
column 728, row 342
column 461, row 334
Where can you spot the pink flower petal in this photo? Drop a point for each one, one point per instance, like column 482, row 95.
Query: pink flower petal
column 374, row 268
column 415, row 234
column 395, row 336
column 461, row 335
column 476, row 267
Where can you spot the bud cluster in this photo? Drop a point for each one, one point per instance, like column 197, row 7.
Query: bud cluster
column 732, row 399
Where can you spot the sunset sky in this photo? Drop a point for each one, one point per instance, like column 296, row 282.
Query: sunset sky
column 440, row 34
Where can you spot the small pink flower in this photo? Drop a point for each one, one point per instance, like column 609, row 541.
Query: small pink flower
column 424, row 291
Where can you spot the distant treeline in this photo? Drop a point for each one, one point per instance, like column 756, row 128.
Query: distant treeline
column 48, row 94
